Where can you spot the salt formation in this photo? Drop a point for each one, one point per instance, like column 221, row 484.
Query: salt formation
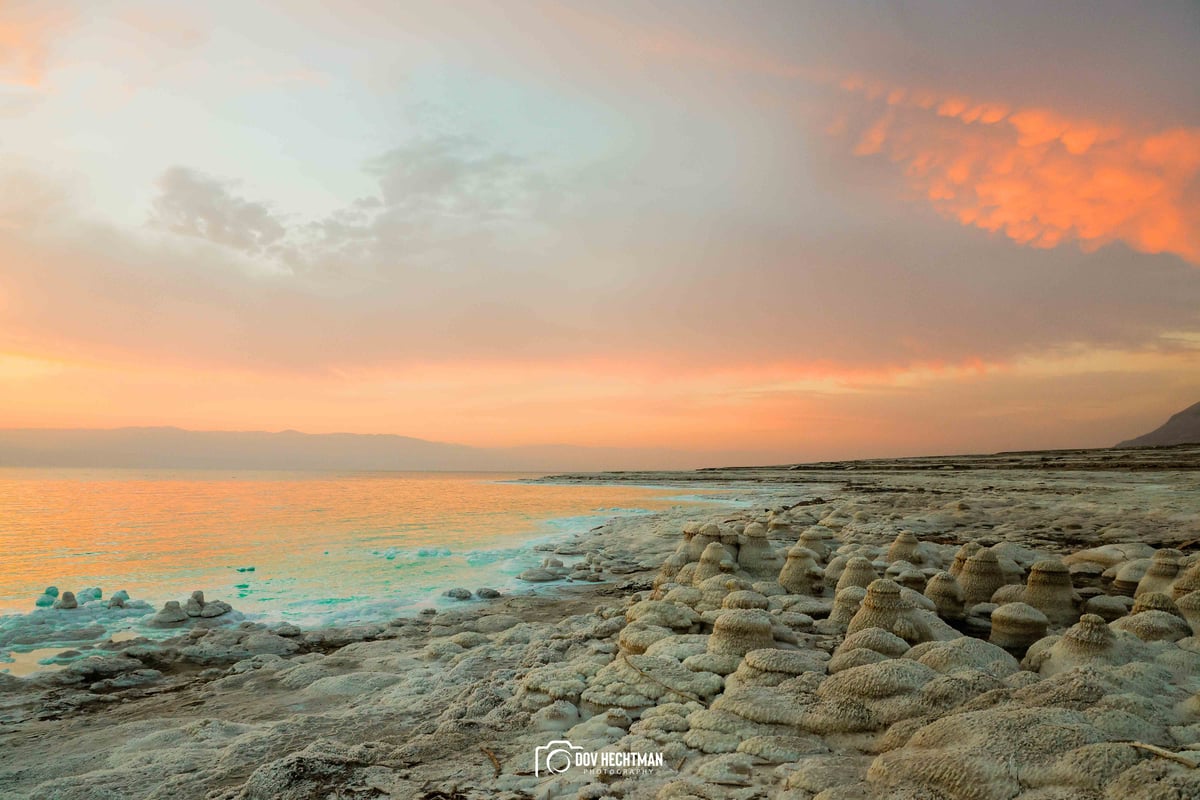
column 868, row 646
column 1049, row 590
column 1126, row 577
column 1089, row 641
column 744, row 598
column 689, row 548
column 1189, row 607
column 1153, row 625
column 980, row 577
column 834, row 569
column 1155, row 601
column 172, row 613
column 846, row 604
column 714, row 590
column 947, row 596
column 1161, row 573
column 755, row 555
column 637, row 682
column 903, row 548
column 771, row 667
column 1108, row 606
column 960, row 558
column 818, row 539
column 714, row 561
column 708, row 534
column 884, row 607
column 738, row 631
column 1015, row 626
column 47, row 598
column 195, row 604
column 749, row 682
column 1187, row 582
column 800, row 573
column 858, row 572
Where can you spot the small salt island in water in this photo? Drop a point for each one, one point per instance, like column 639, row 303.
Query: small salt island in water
column 1016, row 626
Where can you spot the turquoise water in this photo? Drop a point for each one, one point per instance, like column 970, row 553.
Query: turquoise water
column 309, row 547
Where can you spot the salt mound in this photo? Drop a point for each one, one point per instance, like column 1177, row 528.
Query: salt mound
column 756, row 557
column 980, row 577
column 636, row 682
column 884, row 607
column 801, row 574
column 1049, row 590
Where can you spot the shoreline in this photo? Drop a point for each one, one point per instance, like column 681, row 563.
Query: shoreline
column 538, row 546
column 493, row 564
column 454, row 702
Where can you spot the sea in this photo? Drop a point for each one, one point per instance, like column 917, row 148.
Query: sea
column 312, row 548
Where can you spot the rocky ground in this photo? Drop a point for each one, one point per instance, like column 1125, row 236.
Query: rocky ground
column 935, row 632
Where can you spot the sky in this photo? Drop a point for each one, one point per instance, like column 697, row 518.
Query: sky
column 770, row 231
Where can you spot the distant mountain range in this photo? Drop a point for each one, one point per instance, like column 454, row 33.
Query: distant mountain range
column 174, row 448
column 1183, row 428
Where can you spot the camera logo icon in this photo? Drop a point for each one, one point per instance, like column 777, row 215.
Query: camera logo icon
column 554, row 757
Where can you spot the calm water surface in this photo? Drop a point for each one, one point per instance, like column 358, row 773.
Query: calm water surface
column 296, row 545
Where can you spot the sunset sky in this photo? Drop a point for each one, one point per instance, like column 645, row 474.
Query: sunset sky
column 765, row 231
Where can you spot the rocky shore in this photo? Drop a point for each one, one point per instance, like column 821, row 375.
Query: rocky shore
column 920, row 634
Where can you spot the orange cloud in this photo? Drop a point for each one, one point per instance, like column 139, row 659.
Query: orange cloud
column 777, row 412
column 1039, row 177
column 24, row 42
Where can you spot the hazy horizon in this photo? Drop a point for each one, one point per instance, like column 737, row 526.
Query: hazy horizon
column 171, row 447
column 765, row 231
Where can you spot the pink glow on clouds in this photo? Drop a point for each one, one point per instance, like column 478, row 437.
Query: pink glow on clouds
column 1040, row 177
column 723, row 266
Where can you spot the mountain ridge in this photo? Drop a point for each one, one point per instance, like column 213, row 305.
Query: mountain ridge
column 1181, row 428
column 169, row 447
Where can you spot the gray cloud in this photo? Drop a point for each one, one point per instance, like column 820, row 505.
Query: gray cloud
column 681, row 289
column 437, row 199
column 197, row 205
column 723, row 227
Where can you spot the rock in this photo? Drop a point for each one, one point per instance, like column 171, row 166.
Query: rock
column 495, row 623
column 486, row 593
column 88, row 595
column 130, row 680
column 457, row 593
column 537, row 575
column 320, row 770
column 215, row 608
column 194, row 607
column 1108, row 606
column 67, row 601
column 171, row 614
column 287, row 629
